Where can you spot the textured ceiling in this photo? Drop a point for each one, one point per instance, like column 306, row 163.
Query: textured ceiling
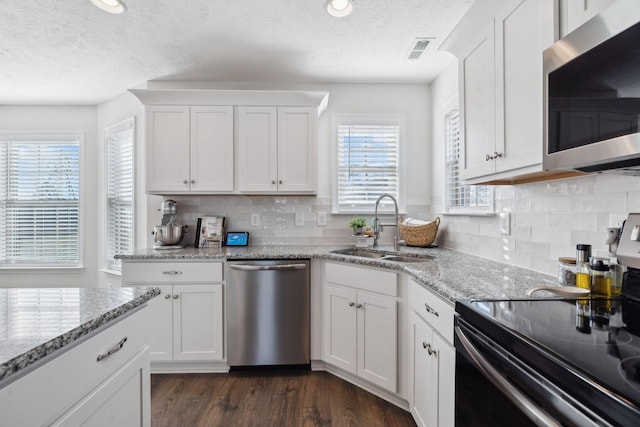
column 70, row 52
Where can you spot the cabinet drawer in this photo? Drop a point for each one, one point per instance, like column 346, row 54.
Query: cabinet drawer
column 436, row 311
column 57, row 385
column 368, row 279
column 171, row 272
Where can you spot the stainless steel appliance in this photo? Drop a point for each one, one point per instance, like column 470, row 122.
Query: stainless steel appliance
column 268, row 312
column 168, row 235
column 592, row 95
column 552, row 362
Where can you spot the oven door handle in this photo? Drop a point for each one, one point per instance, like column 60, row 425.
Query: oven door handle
column 537, row 415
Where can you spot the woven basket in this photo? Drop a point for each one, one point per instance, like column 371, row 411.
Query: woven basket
column 420, row 235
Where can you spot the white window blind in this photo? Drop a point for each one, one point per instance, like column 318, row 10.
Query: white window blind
column 368, row 163
column 460, row 197
column 120, row 192
column 40, row 200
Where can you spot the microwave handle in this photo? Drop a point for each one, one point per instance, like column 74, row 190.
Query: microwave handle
column 537, row 415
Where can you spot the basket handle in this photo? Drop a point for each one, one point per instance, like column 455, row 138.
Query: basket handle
column 437, row 220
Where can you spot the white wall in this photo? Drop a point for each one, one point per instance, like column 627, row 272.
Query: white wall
column 44, row 119
column 548, row 218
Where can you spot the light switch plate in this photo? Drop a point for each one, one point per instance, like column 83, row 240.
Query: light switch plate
column 322, row 218
column 255, row 220
column 505, row 223
column 299, row 219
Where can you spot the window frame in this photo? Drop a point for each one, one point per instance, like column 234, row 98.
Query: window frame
column 56, row 136
column 110, row 265
column 446, row 108
column 382, row 119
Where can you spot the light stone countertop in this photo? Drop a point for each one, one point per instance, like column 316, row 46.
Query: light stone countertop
column 37, row 322
column 452, row 275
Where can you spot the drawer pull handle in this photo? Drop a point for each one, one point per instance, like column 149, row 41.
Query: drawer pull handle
column 430, row 310
column 116, row 348
column 172, row 272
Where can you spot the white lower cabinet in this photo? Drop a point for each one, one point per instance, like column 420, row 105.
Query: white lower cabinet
column 360, row 327
column 432, row 359
column 187, row 316
column 80, row 388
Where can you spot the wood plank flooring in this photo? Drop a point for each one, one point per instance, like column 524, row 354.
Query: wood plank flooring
column 267, row 398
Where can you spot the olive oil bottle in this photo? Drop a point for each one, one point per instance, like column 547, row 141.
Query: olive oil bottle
column 583, row 274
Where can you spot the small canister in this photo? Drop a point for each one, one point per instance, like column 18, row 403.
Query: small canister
column 567, row 271
column 600, row 276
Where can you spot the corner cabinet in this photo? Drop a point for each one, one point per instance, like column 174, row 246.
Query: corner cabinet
column 501, row 90
column 187, row 316
column 360, row 323
column 432, row 359
column 189, row 149
column 277, row 150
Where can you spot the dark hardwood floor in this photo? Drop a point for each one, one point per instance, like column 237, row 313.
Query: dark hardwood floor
column 267, row 398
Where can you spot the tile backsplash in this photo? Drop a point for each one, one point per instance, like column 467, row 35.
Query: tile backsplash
column 548, row 219
column 277, row 218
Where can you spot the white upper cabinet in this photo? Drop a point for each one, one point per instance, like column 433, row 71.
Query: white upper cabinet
column 501, row 86
column 574, row 13
column 189, row 149
column 277, row 150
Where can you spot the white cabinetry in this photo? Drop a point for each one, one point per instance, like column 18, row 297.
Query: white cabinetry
column 277, row 150
column 189, row 149
column 188, row 321
column 574, row 13
column 79, row 388
column 432, row 358
column 360, row 323
column 501, row 91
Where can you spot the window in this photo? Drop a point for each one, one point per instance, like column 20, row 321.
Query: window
column 119, row 192
column 460, row 198
column 40, row 200
column 367, row 156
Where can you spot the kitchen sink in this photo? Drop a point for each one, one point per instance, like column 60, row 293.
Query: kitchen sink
column 382, row 256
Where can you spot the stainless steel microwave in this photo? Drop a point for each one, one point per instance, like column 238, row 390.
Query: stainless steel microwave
column 592, row 95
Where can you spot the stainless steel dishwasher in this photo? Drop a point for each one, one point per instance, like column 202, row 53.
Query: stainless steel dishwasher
column 268, row 312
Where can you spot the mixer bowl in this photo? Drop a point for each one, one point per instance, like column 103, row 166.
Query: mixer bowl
column 168, row 235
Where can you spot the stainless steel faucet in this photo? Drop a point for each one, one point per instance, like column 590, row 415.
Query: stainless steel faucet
column 377, row 225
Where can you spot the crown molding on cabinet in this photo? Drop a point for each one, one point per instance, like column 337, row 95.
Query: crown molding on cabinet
column 233, row 97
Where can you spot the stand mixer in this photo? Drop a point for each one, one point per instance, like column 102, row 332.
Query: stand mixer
column 169, row 234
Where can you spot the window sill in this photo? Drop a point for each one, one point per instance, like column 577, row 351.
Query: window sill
column 111, row 272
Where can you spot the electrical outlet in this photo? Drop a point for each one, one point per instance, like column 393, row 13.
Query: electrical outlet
column 322, row 218
column 255, row 220
column 505, row 223
column 299, row 219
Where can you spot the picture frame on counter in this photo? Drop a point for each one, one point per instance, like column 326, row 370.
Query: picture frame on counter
column 210, row 232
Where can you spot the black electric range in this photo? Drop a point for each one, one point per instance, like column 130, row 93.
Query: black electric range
column 552, row 361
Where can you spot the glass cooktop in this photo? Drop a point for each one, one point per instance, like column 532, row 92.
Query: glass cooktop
column 592, row 340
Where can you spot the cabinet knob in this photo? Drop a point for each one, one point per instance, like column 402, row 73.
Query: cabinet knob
column 358, row 305
column 351, row 304
column 424, row 344
column 176, row 296
column 488, row 157
column 185, row 182
column 280, row 182
column 273, row 182
column 167, row 296
column 193, row 181
column 496, row 154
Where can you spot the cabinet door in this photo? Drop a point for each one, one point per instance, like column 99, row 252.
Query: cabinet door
column 378, row 340
column 423, row 382
column 445, row 359
column 167, row 149
column 197, row 322
column 523, row 31
column 579, row 12
column 161, row 314
column 477, row 99
column 257, row 149
column 297, row 149
column 211, row 149
column 339, row 327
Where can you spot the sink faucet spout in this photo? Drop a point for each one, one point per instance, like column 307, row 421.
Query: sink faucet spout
column 377, row 225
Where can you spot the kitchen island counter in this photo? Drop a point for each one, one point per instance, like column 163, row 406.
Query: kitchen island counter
column 451, row 274
column 39, row 323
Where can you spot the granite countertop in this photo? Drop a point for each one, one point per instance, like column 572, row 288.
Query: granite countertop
column 451, row 274
column 36, row 322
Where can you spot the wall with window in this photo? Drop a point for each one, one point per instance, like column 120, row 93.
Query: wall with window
column 61, row 119
column 548, row 218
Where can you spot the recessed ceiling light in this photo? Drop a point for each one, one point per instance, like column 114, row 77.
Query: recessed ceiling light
column 112, row 6
column 339, row 8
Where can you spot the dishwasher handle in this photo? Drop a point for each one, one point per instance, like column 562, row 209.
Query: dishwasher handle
column 276, row 267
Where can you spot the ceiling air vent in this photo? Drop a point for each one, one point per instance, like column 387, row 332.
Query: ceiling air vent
column 418, row 47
